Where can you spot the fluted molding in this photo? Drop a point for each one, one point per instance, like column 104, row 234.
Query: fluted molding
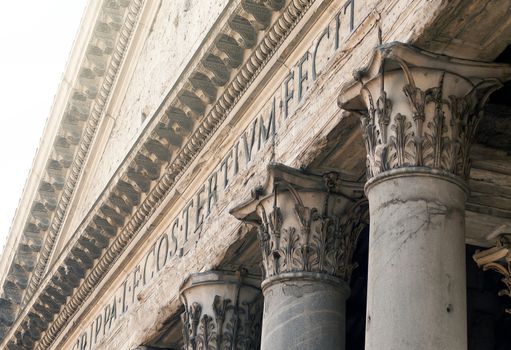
column 223, row 311
column 208, row 91
column 419, row 109
column 306, row 223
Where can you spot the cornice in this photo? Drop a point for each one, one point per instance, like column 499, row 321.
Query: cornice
column 82, row 149
column 204, row 95
column 106, row 39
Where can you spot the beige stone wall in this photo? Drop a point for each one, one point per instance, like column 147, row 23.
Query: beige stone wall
column 174, row 35
column 300, row 137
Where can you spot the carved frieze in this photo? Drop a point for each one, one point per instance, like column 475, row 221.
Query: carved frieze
column 419, row 109
column 222, row 311
column 306, row 223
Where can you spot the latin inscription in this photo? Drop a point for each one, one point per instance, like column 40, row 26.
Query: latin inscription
column 173, row 242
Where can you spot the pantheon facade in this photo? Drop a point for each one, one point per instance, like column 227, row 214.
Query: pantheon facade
column 271, row 174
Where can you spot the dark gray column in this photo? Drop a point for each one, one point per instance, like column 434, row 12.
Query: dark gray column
column 308, row 227
column 222, row 311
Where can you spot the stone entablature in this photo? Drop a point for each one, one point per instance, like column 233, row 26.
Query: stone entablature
column 185, row 225
column 135, row 187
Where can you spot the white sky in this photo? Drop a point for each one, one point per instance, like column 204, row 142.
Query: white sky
column 36, row 37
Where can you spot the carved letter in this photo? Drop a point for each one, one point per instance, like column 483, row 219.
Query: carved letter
column 173, row 236
column 249, row 145
column 106, row 317
column 199, row 218
column 264, row 133
column 326, row 33
column 144, row 272
column 124, row 306
column 351, row 5
column 159, row 263
column 99, row 324
column 212, row 195
column 83, row 341
column 186, row 218
column 225, row 166
column 302, row 75
column 136, row 280
column 288, row 94
column 236, row 154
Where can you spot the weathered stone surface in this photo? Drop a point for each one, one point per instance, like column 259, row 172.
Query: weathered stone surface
column 304, row 312
column 178, row 24
column 419, row 115
column 416, row 283
column 304, row 222
column 466, row 29
column 420, row 110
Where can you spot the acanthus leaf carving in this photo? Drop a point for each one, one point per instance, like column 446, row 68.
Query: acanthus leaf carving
column 382, row 114
column 439, row 137
column 498, row 259
column 399, row 154
column 230, row 326
column 191, row 318
column 429, row 122
column 318, row 242
column 417, row 100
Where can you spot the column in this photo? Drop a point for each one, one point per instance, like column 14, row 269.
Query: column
column 222, row 311
column 419, row 114
column 308, row 226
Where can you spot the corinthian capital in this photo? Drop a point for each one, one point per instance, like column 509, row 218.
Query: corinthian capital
column 419, row 109
column 306, row 223
column 498, row 258
column 223, row 311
